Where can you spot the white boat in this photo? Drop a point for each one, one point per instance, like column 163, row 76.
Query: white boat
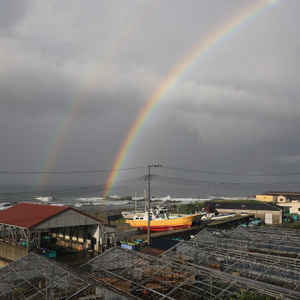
column 244, row 213
column 131, row 214
column 223, row 216
column 206, row 216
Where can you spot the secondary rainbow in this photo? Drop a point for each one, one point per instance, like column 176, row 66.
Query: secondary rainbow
column 178, row 72
column 114, row 46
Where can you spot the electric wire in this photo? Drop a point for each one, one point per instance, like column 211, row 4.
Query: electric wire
column 231, row 174
column 5, row 172
column 78, row 191
column 215, row 184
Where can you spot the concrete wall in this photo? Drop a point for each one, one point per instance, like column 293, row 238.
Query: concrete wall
column 4, row 263
column 11, row 252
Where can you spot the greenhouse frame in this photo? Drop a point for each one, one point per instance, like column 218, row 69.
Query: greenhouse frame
column 214, row 264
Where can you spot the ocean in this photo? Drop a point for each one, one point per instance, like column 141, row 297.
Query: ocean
column 87, row 198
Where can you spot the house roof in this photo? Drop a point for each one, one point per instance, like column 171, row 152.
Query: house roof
column 29, row 215
column 244, row 205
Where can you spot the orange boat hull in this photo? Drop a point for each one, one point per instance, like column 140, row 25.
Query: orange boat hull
column 163, row 224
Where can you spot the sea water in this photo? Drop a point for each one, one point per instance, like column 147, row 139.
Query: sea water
column 87, row 198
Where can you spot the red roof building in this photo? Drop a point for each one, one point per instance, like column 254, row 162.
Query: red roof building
column 27, row 225
column 28, row 215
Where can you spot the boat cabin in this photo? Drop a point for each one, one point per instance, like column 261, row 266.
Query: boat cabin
column 156, row 213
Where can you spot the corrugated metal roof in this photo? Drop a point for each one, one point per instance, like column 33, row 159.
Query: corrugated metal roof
column 28, row 215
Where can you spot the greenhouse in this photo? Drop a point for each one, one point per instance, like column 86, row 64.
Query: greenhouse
column 214, row 264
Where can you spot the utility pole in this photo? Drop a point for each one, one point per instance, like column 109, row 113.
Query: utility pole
column 149, row 197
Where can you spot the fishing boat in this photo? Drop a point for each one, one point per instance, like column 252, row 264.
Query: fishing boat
column 223, row 216
column 131, row 214
column 161, row 219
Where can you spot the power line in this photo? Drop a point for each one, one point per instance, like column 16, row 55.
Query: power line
column 215, row 184
column 67, row 172
column 231, row 174
column 7, row 172
column 138, row 181
column 99, row 189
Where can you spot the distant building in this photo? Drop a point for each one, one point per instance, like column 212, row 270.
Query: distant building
column 291, row 204
column 286, row 198
column 278, row 193
column 271, row 196
column 290, row 201
column 262, row 211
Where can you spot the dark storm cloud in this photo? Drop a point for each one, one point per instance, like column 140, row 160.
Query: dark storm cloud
column 12, row 12
column 80, row 73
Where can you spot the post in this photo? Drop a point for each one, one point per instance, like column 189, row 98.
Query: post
column 149, row 197
column 148, row 232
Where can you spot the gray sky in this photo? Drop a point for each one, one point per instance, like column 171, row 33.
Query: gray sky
column 75, row 75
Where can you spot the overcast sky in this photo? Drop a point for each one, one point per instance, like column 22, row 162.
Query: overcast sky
column 75, row 75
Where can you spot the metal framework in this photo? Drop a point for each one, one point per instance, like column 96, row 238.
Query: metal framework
column 148, row 277
column 272, row 241
column 20, row 236
column 35, row 277
column 215, row 264
column 267, row 256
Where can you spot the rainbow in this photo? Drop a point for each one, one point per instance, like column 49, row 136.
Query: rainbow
column 113, row 47
column 176, row 74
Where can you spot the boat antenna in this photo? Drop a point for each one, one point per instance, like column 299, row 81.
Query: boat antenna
column 135, row 203
column 145, row 196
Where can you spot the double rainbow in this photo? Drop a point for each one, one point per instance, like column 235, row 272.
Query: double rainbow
column 113, row 47
column 175, row 75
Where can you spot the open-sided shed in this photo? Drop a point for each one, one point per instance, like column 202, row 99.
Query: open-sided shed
column 32, row 226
